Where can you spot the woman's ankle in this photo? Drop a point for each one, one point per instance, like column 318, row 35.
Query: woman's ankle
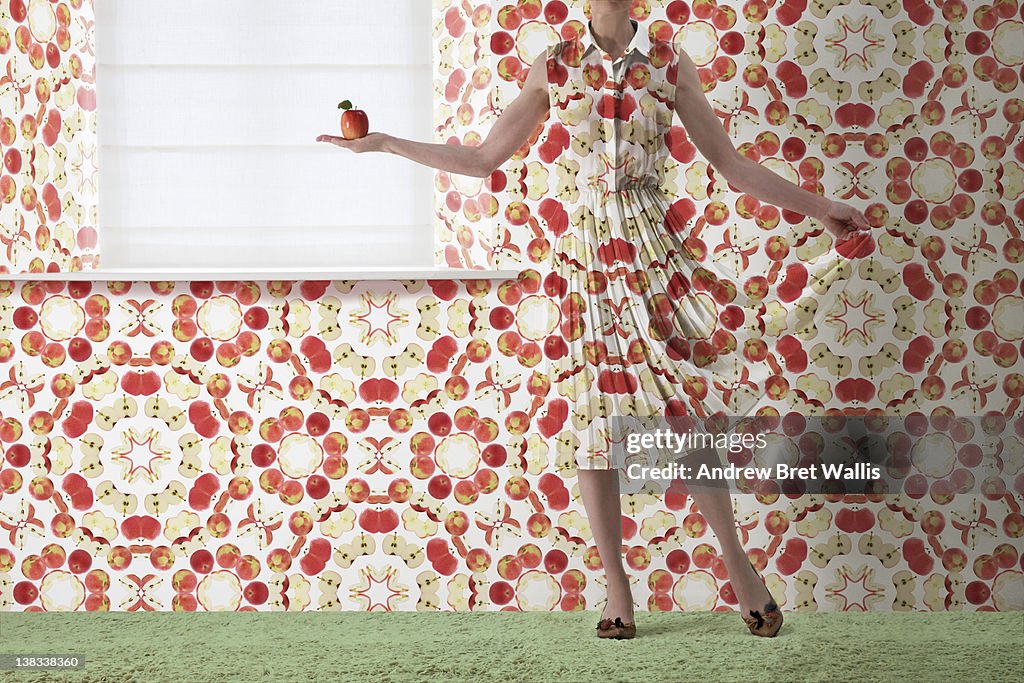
column 625, row 612
column 618, row 603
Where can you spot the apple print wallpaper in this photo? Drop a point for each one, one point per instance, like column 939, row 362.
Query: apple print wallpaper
column 405, row 445
column 48, row 179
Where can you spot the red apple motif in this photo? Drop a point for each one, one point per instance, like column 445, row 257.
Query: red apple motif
column 916, row 555
column 617, row 382
column 917, row 281
column 354, row 122
column 79, row 561
column 917, row 353
column 315, row 350
column 557, row 413
column 855, row 389
column 855, row 114
column 75, row 424
column 441, row 557
column 789, row 12
column 202, row 561
column 553, row 487
column 202, row 492
column 793, row 353
column 500, row 592
column 792, row 557
column 917, row 78
column 855, row 520
column 141, row 383
column 502, row 43
column 78, row 490
column 794, row 284
column 793, row 78
column 201, row 417
column 376, row 389
column 555, row 561
column 140, row 527
column 441, row 353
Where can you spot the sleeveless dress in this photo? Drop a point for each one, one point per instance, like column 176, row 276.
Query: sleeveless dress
column 653, row 325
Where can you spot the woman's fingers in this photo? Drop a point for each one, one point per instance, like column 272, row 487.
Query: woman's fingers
column 847, row 225
column 862, row 221
column 371, row 142
column 333, row 139
column 855, row 219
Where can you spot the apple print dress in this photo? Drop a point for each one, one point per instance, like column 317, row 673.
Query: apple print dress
column 654, row 325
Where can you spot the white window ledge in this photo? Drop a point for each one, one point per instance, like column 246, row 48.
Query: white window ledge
column 220, row 274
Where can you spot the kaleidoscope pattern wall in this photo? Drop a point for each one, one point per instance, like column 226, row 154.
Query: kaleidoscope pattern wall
column 397, row 445
column 48, row 179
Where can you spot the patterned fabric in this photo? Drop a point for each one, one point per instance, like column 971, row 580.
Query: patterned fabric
column 616, row 111
column 653, row 325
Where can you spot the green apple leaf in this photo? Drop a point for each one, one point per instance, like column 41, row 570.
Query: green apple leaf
column 345, row 105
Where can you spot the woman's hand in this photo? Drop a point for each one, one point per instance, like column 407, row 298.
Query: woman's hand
column 845, row 221
column 371, row 142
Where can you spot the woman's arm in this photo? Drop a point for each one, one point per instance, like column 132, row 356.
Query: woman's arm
column 512, row 129
column 705, row 130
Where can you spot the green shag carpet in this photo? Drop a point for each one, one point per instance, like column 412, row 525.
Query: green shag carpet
column 532, row 647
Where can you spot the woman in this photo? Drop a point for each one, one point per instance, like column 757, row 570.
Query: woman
column 616, row 202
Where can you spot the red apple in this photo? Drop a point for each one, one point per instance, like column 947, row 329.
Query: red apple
column 354, row 122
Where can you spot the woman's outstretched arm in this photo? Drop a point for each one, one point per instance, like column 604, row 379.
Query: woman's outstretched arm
column 509, row 133
column 705, row 130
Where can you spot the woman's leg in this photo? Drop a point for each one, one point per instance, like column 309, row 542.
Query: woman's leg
column 715, row 504
column 600, row 492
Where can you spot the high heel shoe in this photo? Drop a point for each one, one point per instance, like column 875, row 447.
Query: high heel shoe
column 616, row 628
column 765, row 625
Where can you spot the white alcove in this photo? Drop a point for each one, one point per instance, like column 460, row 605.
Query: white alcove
column 208, row 115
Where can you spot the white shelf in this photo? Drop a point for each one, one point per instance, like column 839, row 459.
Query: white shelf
column 220, row 274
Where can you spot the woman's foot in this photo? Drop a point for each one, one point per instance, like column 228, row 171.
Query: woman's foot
column 757, row 606
column 619, row 601
column 616, row 628
column 617, row 616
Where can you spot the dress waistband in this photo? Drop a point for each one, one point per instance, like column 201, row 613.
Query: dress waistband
column 617, row 185
column 642, row 181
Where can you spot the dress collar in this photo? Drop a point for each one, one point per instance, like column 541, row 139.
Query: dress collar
column 641, row 41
